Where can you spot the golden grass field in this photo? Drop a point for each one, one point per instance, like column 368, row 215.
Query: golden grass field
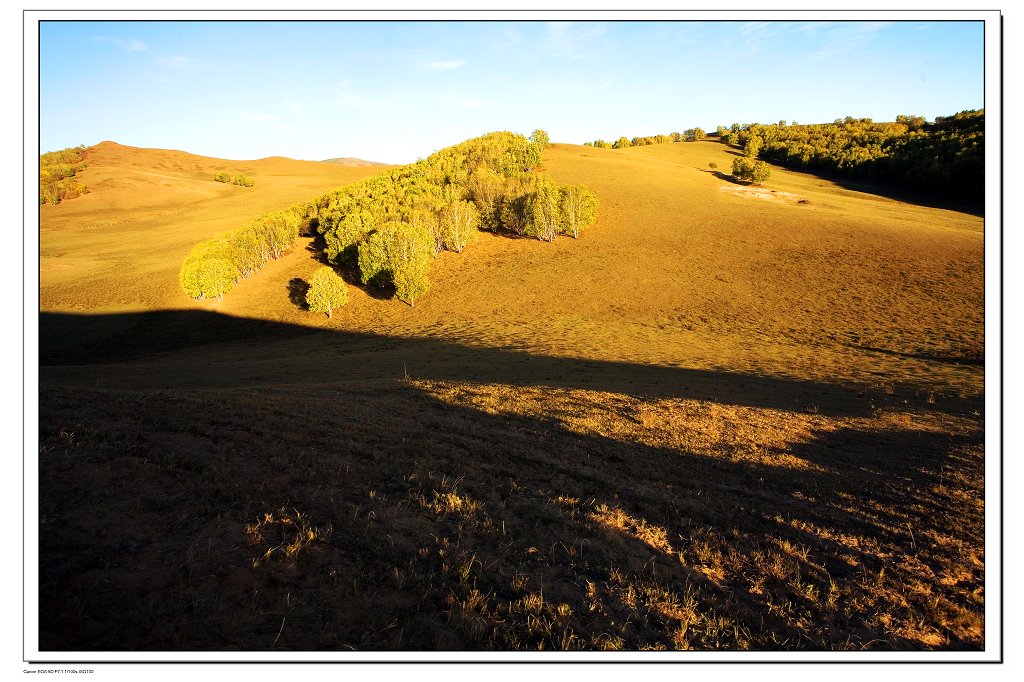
column 724, row 418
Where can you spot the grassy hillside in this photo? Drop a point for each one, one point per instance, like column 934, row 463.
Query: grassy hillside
column 121, row 245
column 724, row 418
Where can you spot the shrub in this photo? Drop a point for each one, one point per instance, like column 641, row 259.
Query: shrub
column 243, row 180
column 713, row 165
column 56, row 173
column 222, row 177
column 326, row 291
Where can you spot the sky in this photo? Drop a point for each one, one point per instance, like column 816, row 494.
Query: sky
column 397, row 91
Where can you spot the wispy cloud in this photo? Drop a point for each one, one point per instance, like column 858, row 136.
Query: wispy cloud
column 444, row 65
column 754, row 33
column 292, row 106
column 176, row 61
column 847, row 37
column 572, row 40
column 130, row 44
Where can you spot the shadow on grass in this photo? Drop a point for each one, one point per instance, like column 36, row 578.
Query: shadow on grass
column 141, row 338
column 438, row 526
column 297, row 289
column 924, row 357
column 726, row 177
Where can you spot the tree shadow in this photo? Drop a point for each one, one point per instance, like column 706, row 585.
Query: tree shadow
column 726, row 177
column 297, row 289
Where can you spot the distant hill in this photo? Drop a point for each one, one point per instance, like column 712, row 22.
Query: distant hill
column 350, row 161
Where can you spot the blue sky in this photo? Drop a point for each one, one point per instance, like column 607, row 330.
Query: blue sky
column 396, row 91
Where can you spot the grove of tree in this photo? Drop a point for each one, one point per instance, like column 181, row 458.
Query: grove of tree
column 944, row 158
column 390, row 227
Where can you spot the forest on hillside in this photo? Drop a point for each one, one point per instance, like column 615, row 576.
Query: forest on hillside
column 945, row 158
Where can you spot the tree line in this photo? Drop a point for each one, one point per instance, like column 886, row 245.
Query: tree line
column 240, row 179
column 689, row 135
column 57, row 175
column 216, row 265
column 943, row 158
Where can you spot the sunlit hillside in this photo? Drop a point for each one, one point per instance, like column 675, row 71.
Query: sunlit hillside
column 120, row 246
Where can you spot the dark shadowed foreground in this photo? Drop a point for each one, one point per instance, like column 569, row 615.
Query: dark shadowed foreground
column 219, row 483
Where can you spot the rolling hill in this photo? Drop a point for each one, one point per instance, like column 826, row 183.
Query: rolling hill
column 725, row 417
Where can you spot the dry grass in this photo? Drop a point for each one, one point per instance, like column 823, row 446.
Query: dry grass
column 710, row 423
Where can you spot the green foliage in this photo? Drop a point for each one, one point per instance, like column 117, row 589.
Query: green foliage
column 222, row 176
column 243, row 180
column 56, row 175
column 326, row 292
column 215, row 265
column 698, row 134
column 457, row 225
column 945, row 158
column 746, row 169
column 399, row 254
column 544, row 210
column 210, row 270
column 482, row 183
column 541, row 139
column 753, row 147
column 621, row 143
column 578, row 207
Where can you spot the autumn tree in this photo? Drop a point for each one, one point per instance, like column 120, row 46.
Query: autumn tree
column 540, row 138
column 326, row 292
column 544, row 210
column 749, row 170
column 578, row 209
column 458, row 225
column 753, row 147
column 209, row 271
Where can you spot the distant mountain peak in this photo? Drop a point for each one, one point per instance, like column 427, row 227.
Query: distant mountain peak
column 350, row 161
